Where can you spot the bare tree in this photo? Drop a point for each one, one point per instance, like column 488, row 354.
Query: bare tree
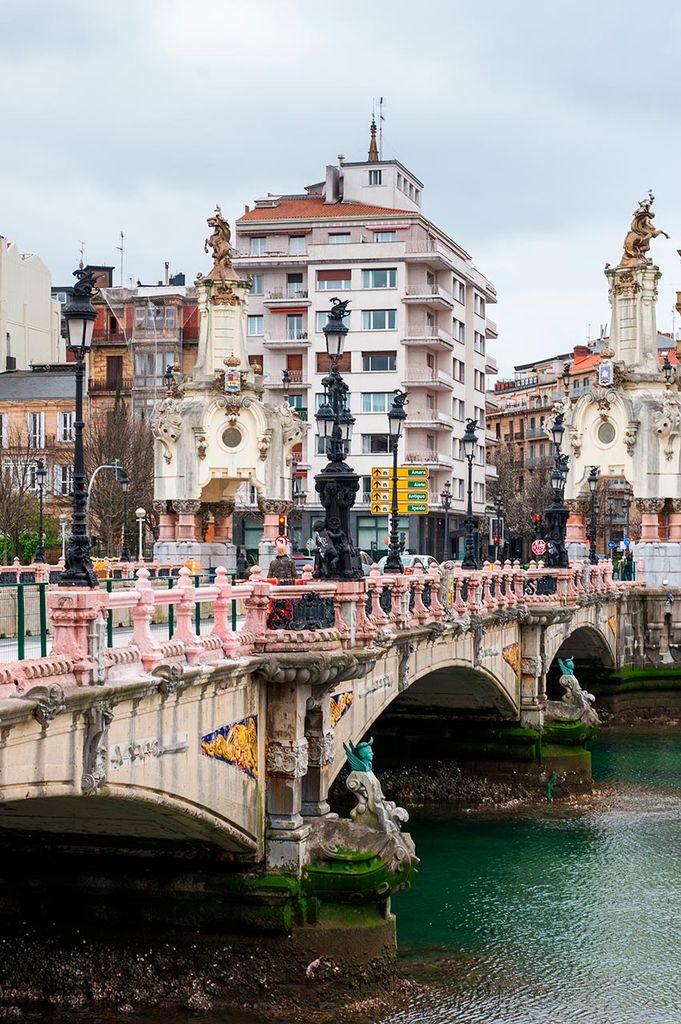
column 18, row 501
column 115, row 434
column 523, row 492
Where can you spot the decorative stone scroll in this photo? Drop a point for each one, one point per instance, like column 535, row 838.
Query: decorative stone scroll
column 289, row 759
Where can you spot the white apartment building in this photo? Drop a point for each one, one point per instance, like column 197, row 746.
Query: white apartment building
column 29, row 318
column 418, row 322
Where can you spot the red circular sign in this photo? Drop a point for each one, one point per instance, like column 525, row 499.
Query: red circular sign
column 538, row 547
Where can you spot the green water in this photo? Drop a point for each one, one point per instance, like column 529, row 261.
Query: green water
column 556, row 916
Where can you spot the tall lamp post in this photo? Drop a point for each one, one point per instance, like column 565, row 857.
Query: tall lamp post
column 499, row 532
column 40, row 478
column 396, row 417
column 124, row 481
column 337, row 484
column 470, row 440
column 140, row 515
column 556, row 515
column 63, row 520
column 80, row 317
column 446, row 499
column 592, row 481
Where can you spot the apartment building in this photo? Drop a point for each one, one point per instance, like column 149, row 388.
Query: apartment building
column 29, row 318
column 418, row 321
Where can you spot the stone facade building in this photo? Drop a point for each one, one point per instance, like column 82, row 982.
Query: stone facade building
column 29, row 318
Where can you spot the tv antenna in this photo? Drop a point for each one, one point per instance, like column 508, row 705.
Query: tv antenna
column 381, row 119
column 120, row 249
column 82, row 255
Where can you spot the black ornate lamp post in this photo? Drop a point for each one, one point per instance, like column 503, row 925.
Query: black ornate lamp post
column 337, row 484
column 556, row 515
column 80, row 317
column 592, row 481
column 667, row 368
column 498, row 535
column 446, row 499
column 566, row 378
column 40, row 478
column 396, row 418
column 470, row 440
column 124, row 481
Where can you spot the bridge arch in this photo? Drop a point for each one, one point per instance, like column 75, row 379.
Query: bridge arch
column 130, row 815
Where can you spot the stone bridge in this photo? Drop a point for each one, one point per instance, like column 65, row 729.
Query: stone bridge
column 229, row 742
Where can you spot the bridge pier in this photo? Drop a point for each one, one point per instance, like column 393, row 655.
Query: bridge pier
column 287, row 766
column 532, row 677
column 321, row 746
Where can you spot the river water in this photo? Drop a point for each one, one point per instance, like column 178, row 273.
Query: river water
column 550, row 915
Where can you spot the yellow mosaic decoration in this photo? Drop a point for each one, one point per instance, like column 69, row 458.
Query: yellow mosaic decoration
column 612, row 622
column 235, row 744
column 340, row 703
column 511, row 655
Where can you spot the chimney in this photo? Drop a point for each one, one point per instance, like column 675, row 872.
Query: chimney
column 166, row 273
column 247, row 208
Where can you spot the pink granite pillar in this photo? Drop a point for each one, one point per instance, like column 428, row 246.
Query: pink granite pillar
column 222, row 519
column 650, row 509
column 166, row 527
column 675, row 520
column 188, row 521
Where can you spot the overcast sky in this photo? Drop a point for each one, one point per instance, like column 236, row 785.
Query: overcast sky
column 535, row 126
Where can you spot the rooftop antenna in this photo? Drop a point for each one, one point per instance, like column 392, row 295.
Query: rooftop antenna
column 120, row 249
column 82, row 255
column 381, row 119
column 588, row 332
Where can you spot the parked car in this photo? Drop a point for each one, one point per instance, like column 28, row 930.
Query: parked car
column 408, row 561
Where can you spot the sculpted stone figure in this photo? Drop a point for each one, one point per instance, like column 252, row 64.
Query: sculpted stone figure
column 576, row 700
column 372, row 807
column 219, row 242
column 642, row 231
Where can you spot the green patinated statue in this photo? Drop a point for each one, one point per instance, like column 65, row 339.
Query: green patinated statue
column 576, row 702
column 372, row 807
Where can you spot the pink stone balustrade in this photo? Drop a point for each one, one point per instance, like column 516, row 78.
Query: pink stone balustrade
column 331, row 616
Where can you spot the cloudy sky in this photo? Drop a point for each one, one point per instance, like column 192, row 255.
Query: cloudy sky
column 536, row 127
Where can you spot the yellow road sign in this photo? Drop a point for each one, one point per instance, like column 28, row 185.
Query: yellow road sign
column 402, row 485
column 402, row 497
column 378, row 472
column 416, row 508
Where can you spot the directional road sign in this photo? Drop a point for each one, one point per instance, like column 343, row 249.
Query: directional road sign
column 403, row 497
column 413, row 472
column 421, row 493
column 417, row 508
column 404, row 483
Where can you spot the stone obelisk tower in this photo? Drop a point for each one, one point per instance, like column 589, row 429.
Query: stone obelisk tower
column 214, row 432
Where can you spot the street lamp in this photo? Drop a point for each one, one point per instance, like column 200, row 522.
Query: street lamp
column 592, row 481
column 337, row 484
column 470, row 440
column 566, row 377
column 396, row 417
column 40, row 478
column 286, row 381
column 140, row 515
column 124, row 481
column 667, row 368
column 556, row 515
column 498, row 535
column 446, row 499
column 80, row 317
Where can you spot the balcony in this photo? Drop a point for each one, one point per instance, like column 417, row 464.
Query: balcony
column 429, row 253
column 491, row 329
column 302, row 412
column 288, row 339
column 286, row 297
column 429, row 295
column 429, row 418
column 296, row 379
column 428, row 335
column 438, row 380
column 429, row 457
column 108, row 387
column 490, row 364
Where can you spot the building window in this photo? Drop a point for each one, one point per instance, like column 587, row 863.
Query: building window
column 373, row 530
column 479, row 380
column 60, row 296
column 294, row 326
column 376, row 362
column 296, row 401
column 324, row 363
column 379, row 278
column 479, row 493
column 385, row 236
column 575, row 384
column 4, row 429
column 458, row 409
column 479, row 304
column 113, row 325
column 376, row 401
column 63, row 480
column 149, row 367
column 458, row 489
column 334, row 280
column 36, row 430
column 585, row 384
column 140, row 316
column 366, row 490
column 258, row 286
column 479, row 343
column 66, row 426
column 480, row 417
column 322, row 318
column 321, row 444
column 296, row 245
column 379, row 319
column 339, row 237
column 375, row 177
column 143, row 408
column 294, row 286
column 430, row 442
column 171, row 317
column 459, row 371
column 375, row 444
column 459, row 290
column 255, row 326
column 459, row 330
column 258, row 245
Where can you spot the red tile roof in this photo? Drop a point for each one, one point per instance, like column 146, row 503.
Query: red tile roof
column 304, row 209
column 584, row 363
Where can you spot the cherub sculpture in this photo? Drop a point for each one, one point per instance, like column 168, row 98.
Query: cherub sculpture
column 372, row 807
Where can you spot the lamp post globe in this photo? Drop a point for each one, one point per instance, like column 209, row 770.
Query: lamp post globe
column 80, row 316
column 396, row 417
column 140, row 515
